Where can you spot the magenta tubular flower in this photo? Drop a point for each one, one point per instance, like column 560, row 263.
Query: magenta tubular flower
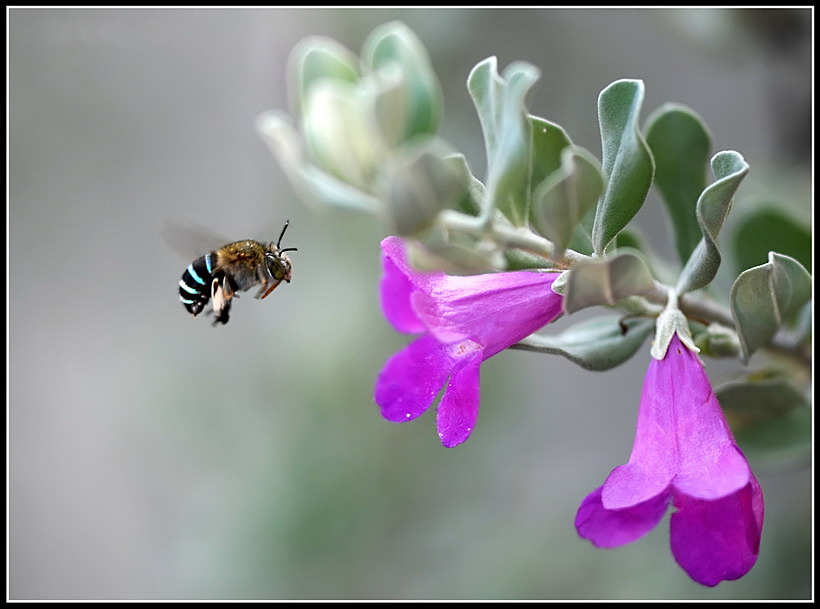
column 462, row 322
column 684, row 452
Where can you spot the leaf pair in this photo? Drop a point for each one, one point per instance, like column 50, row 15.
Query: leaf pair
column 507, row 135
column 763, row 297
column 367, row 139
column 535, row 174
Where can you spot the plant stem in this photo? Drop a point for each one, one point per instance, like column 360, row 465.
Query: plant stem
column 693, row 306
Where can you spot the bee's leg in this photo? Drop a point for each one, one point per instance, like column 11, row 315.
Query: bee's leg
column 226, row 286
column 222, row 317
column 221, row 295
column 267, row 280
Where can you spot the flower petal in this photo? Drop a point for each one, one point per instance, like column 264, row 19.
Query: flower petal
column 718, row 540
column 396, row 288
column 495, row 310
column 611, row 528
column 653, row 462
column 410, row 380
column 682, row 437
column 710, row 464
column 458, row 410
column 632, row 484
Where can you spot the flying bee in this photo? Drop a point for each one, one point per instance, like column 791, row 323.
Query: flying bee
column 235, row 267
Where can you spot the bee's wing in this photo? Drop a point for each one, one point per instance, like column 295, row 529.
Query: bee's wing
column 191, row 240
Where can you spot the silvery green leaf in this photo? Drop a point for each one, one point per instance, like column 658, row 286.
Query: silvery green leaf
column 317, row 58
column 582, row 239
column 563, row 199
column 752, row 398
column 312, row 185
column 518, row 260
column 712, row 208
column 632, row 238
column 454, row 253
column 605, row 282
column 595, row 344
column 507, row 133
column 548, row 142
column 763, row 297
column 471, row 200
column 420, row 181
column 803, row 323
column 394, row 47
column 485, row 86
column 771, row 229
column 769, row 412
column 718, row 341
column 680, row 145
column 385, row 95
column 341, row 134
column 627, row 163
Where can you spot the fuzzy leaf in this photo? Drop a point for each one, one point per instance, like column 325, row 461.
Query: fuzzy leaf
column 767, row 413
column 385, row 102
column 605, row 282
column 770, row 229
column 713, row 206
column 420, row 182
column 627, row 162
column 454, row 253
column 716, row 340
column 562, row 200
column 763, row 297
column 485, row 86
column 470, row 202
column 596, row 344
column 311, row 184
column 341, row 135
column 393, row 47
column 680, row 145
column 750, row 402
column 548, row 142
column 517, row 260
column 507, row 133
column 317, row 58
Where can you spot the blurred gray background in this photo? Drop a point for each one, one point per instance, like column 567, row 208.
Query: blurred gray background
column 152, row 456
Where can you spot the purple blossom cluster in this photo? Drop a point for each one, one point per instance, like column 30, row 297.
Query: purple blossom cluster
column 684, row 452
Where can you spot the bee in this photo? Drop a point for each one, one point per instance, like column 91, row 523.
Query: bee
column 235, row 267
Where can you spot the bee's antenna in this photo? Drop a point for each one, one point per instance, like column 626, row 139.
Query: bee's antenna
column 282, row 234
column 289, row 249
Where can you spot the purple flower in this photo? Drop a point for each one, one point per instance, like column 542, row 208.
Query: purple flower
column 462, row 322
column 684, row 452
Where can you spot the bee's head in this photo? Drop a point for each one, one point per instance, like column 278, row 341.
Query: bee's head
column 278, row 263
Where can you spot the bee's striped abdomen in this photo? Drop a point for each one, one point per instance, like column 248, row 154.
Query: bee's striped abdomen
column 195, row 285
